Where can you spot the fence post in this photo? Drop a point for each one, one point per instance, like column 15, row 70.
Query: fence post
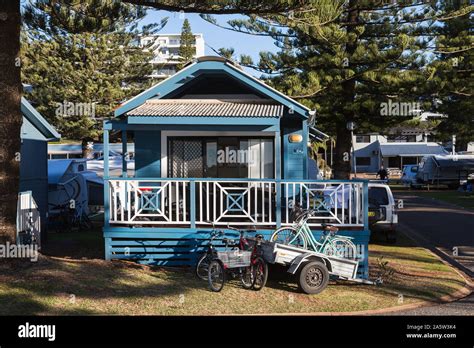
column 366, row 205
column 192, row 212
column 278, row 203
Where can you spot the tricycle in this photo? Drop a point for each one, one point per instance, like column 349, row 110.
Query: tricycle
column 244, row 260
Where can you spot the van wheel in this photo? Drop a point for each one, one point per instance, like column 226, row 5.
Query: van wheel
column 313, row 277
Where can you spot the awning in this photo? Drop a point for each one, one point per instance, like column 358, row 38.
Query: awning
column 317, row 134
column 208, row 108
column 411, row 149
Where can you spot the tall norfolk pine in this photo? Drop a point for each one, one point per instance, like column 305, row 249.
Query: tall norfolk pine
column 346, row 58
column 83, row 53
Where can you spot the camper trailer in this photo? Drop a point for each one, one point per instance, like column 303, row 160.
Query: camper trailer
column 447, row 170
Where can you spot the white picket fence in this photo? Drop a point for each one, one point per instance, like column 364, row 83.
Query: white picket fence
column 28, row 220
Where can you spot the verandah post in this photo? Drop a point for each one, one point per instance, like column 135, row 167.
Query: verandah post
column 107, row 241
column 124, row 153
column 278, row 178
column 366, row 205
column 106, row 177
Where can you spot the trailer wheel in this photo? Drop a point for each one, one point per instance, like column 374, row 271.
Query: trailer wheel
column 313, row 277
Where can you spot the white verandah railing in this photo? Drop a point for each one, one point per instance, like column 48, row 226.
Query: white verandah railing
column 238, row 202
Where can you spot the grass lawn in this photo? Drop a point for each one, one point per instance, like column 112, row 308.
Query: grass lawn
column 454, row 197
column 94, row 286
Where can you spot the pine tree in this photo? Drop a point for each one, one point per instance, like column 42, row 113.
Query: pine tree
column 10, row 116
column 10, row 82
column 348, row 58
column 83, row 61
column 187, row 47
column 452, row 82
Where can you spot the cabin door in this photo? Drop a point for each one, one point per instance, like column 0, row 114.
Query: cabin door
column 186, row 158
column 221, row 157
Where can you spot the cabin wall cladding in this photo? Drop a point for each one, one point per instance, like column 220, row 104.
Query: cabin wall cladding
column 148, row 154
column 185, row 248
column 293, row 155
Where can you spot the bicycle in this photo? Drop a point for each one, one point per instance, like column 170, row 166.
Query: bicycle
column 245, row 261
column 202, row 266
column 300, row 235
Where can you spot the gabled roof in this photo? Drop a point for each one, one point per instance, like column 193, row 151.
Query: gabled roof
column 208, row 108
column 205, row 65
column 34, row 117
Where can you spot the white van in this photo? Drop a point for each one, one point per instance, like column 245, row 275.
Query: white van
column 381, row 199
column 409, row 176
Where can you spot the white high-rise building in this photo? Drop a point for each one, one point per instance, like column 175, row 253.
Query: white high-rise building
column 166, row 52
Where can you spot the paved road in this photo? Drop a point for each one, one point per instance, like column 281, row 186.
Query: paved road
column 464, row 306
column 444, row 226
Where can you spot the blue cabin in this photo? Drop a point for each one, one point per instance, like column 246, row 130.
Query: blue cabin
column 35, row 134
column 215, row 145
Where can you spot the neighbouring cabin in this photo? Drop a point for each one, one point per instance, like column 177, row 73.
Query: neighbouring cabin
column 214, row 145
column 35, row 134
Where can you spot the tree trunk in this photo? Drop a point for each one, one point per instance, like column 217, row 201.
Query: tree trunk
column 87, row 148
column 343, row 153
column 10, row 115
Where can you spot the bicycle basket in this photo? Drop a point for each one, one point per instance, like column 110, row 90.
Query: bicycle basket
column 234, row 258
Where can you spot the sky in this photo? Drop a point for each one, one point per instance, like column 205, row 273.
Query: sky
column 214, row 36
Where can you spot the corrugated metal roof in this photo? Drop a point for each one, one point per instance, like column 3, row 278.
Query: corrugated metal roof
column 208, row 108
column 411, row 149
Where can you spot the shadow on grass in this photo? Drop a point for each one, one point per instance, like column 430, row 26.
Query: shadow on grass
column 428, row 292
column 30, row 289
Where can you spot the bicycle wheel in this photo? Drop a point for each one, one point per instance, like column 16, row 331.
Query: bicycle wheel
column 202, row 267
column 246, row 277
column 85, row 223
column 260, row 274
column 216, row 275
column 289, row 236
column 341, row 247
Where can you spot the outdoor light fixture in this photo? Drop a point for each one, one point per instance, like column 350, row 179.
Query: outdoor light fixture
column 350, row 126
column 295, row 138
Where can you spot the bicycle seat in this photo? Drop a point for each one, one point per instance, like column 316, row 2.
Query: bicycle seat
column 329, row 228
